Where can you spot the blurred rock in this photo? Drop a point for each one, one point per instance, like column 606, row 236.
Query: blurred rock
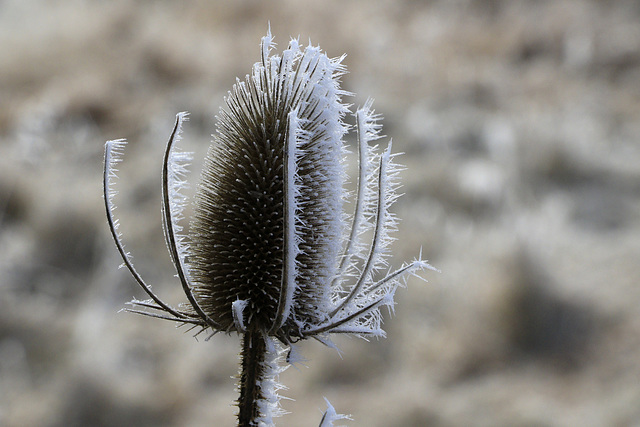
column 542, row 325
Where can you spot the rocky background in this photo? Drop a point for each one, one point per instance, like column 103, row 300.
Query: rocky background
column 520, row 124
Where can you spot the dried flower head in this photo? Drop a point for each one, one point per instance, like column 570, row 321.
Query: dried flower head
column 270, row 251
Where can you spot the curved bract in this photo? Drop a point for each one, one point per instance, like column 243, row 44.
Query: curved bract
column 270, row 251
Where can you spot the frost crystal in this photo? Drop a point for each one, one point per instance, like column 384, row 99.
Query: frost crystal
column 270, row 251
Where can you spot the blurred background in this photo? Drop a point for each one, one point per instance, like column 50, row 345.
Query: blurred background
column 520, row 124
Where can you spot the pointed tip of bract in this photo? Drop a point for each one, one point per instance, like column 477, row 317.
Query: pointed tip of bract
column 116, row 143
column 113, row 154
column 237, row 308
column 113, row 151
column 423, row 264
column 267, row 44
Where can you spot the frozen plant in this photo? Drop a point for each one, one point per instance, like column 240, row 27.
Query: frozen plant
column 270, row 252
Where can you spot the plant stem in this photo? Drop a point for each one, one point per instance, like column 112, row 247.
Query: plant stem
column 252, row 376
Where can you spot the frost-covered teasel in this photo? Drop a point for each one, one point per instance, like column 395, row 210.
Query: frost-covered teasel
column 271, row 252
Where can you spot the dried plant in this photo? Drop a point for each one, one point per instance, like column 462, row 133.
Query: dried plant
column 270, row 252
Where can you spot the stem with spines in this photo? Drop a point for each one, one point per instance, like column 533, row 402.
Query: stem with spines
column 252, row 377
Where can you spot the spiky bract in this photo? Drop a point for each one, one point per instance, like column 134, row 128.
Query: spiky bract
column 270, row 252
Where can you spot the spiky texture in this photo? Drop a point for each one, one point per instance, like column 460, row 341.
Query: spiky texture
column 330, row 416
column 268, row 222
column 270, row 252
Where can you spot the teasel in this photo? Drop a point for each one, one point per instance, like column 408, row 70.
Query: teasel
column 270, row 253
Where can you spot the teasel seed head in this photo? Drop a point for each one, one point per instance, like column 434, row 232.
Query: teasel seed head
column 270, row 252
column 268, row 218
column 269, row 248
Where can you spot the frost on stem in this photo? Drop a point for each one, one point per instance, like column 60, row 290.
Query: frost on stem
column 270, row 252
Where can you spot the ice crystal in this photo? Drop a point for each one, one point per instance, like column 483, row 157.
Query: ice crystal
column 270, row 249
